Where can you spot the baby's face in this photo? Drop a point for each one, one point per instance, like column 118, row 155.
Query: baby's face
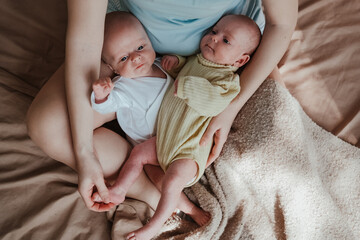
column 129, row 52
column 226, row 42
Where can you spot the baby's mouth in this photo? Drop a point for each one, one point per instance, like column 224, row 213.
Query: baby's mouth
column 206, row 45
column 139, row 66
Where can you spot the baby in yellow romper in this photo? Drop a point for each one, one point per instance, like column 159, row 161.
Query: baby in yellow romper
column 204, row 87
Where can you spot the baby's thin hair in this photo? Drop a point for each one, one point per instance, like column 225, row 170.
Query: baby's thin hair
column 116, row 17
column 255, row 33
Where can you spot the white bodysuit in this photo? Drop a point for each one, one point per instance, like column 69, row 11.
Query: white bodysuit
column 136, row 102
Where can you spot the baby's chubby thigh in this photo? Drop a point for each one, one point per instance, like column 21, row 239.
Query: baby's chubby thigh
column 194, row 152
column 201, row 159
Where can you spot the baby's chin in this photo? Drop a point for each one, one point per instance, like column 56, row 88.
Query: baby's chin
column 208, row 55
column 211, row 57
column 143, row 72
column 131, row 75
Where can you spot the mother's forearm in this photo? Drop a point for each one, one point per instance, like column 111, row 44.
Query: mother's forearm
column 81, row 69
column 80, row 114
column 273, row 45
column 79, row 74
column 84, row 39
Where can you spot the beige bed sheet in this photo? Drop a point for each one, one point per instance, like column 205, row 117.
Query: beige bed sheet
column 322, row 66
column 38, row 196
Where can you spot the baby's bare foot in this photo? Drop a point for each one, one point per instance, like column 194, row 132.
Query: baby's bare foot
column 117, row 195
column 200, row 216
column 144, row 233
column 96, row 197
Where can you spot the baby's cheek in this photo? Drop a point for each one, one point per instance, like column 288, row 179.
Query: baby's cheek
column 209, row 55
column 123, row 71
column 224, row 56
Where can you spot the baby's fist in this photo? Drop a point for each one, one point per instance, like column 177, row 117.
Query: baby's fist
column 102, row 88
column 169, row 62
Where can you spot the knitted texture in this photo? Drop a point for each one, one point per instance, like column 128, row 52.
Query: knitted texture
column 204, row 90
column 279, row 176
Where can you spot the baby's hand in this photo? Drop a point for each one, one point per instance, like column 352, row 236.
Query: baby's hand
column 175, row 86
column 102, row 88
column 169, row 62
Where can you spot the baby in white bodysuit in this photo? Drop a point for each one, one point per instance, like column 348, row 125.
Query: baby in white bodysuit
column 136, row 102
column 136, row 94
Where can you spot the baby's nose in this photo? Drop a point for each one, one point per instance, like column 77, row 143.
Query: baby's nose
column 214, row 39
column 135, row 57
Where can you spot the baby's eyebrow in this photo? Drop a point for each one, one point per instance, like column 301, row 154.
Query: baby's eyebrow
column 229, row 36
column 102, row 59
column 141, row 39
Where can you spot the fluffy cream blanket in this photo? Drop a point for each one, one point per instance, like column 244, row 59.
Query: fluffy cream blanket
column 280, row 176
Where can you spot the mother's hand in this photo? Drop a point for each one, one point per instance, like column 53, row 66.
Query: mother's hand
column 218, row 131
column 91, row 179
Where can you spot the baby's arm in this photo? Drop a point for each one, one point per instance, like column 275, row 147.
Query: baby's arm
column 102, row 88
column 109, row 96
column 168, row 62
column 172, row 64
column 207, row 98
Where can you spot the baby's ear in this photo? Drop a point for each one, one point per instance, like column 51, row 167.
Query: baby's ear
column 242, row 60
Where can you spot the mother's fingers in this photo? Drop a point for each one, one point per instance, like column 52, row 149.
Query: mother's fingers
column 219, row 142
column 208, row 135
column 102, row 207
column 86, row 189
column 96, row 197
column 103, row 190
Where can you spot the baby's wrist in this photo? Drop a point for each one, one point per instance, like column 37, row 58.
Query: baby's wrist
column 100, row 100
column 117, row 189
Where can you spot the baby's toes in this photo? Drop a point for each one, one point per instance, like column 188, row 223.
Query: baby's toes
column 96, row 197
column 206, row 219
column 208, row 216
column 131, row 236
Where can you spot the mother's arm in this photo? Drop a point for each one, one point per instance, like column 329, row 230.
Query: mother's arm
column 281, row 17
column 82, row 65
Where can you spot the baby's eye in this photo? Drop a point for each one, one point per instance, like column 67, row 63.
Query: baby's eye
column 226, row 41
column 213, row 32
column 123, row 59
column 140, row 48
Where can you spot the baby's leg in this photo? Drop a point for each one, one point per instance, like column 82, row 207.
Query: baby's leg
column 201, row 217
column 143, row 153
column 176, row 177
column 111, row 150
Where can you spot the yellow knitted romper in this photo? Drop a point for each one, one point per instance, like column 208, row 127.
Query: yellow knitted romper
column 204, row 90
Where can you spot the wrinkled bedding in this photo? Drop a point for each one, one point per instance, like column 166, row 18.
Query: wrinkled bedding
column 39, row 198
column 282, row 177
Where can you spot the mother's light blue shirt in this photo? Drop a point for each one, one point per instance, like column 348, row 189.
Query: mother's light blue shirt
column 177, row 26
